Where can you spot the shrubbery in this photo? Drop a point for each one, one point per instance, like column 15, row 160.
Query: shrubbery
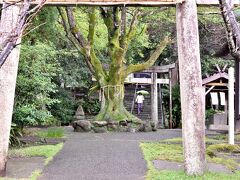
column 65, row 109
column 37, row 68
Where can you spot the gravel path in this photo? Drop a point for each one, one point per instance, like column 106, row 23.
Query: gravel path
column 108, row 156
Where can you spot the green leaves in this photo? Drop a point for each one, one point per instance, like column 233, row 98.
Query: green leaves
column 37, row 69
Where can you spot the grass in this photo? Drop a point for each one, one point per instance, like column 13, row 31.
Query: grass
column 170, row 152
column 35, row 174
column 224, row 137
column 180, row 175
column 174, row 152
column 53, row 132
column 47, row 151
column 179, row 141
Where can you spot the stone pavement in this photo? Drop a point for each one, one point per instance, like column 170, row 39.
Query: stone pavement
column 107, row 156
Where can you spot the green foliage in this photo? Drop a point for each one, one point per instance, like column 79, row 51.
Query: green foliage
column 209, row 113
column 75, row 73
column 176, row 104
column 47, row 151
column 176, row 111
column 137, row 49
column 208, row 64
column 210, row 15
column 65, row 109
column 46, row 28
column 91, row 106
column 53, row 132
column 30, row 115
column 37, row 68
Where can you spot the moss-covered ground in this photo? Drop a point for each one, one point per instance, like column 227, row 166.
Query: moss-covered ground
column 171, row 150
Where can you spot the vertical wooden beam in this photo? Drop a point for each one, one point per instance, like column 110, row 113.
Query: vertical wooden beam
column 231, row 105
column 8, row 75
column 154, row 99
column 170, row 99
column 193, row 124
column 237, row 95
column 161, row 105
column 204, row 103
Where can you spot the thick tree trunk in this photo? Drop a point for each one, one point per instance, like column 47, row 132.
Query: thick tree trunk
column 113, row 108
column 191, row 88
column 8, row 74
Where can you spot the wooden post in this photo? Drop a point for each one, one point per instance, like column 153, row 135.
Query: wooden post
column 161, row 105
column 193, row 124
column 154, row 99
column 231, row 105
column 170, row 99
column 8, row 75
column 237, row 95
column 204, row 103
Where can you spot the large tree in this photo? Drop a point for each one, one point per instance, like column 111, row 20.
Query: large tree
column 121, row 30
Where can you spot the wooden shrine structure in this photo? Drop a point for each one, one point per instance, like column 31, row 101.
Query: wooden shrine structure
column 216, row 95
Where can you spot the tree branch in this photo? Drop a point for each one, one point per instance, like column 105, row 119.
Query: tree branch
column 233, row 31
column 128, row 36
column 72, row 38
column 8, row 43
column 152, row 59
column 73, row 27
column 86, row 47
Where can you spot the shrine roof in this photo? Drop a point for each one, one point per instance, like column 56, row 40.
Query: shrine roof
column 215, row 77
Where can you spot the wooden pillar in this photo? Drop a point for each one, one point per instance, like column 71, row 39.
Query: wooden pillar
column 170, row 99
column 8, row 74
column 231, row 105
column 204, row 103
column 237, row 95
column 161, row 106
column 193, row 124
column 154, row 99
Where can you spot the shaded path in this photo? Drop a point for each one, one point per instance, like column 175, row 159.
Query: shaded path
column 108, row 156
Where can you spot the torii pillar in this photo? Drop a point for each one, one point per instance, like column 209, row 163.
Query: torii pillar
column 154, row 99
column 8, row 75
column 193, row 126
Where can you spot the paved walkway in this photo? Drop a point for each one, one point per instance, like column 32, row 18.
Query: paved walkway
column 108, row 156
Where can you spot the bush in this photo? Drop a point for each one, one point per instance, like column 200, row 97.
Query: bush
column 91, row 106
column 30, row 115
column 65, row 109
column 37, row 68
